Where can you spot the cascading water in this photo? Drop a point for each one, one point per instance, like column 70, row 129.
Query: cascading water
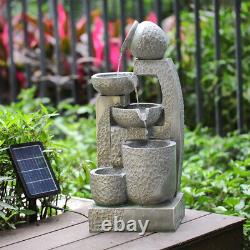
column 122, row 51
column 143, row 115
column 119, row 63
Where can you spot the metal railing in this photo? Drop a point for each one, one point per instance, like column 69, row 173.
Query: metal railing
column 140, row 14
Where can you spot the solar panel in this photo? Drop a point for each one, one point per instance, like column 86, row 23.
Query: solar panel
column 33, row 169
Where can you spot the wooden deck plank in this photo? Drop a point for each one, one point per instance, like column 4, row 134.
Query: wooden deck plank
column 44, row 227
column 191, row 214
column 54, row 239
column 70, row 231
column 102, row 241
column 106, row 240
column 196, row 229
column 47, row 226
column 80, row 205
column 73, row 233
column 225, row 240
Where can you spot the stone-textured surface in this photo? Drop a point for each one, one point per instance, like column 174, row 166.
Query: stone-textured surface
column 103, row 123
column 98, row 214
column 128, row 39
column 109, row 148
column 163, row 217
column 149, row 41
column 118, row 136
column 165, row 179
column 114, row 84
column 136, row 134
column 137, row 115
column 147, row 166
column 108, row 186
column 172, row 102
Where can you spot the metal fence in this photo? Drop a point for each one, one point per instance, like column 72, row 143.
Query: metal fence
column 139, row 6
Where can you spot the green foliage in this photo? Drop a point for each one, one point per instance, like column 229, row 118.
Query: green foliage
column 76, row 137
column 18, row 127
column 73, row 138
column 69, row 141
column 216, row 173
column 209, row 81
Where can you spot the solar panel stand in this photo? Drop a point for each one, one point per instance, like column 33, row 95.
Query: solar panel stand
column 34, row 172
column 33, row 207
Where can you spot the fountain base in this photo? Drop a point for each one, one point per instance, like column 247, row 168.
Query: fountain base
column 162, row 218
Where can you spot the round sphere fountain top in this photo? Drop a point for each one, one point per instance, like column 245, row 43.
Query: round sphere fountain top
column 146, row 41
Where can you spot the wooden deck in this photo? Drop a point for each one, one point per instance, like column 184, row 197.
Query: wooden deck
column 198, row 230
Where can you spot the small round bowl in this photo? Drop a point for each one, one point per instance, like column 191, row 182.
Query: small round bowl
column 114, row 84
column 137, row 115
column 108, row 186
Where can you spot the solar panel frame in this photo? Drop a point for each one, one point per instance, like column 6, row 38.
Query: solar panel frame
column 21, row 176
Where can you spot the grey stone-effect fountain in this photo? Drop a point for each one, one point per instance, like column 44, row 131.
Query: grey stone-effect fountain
column 140, row 145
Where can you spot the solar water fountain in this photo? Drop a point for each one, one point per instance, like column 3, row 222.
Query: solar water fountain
column 139, row 145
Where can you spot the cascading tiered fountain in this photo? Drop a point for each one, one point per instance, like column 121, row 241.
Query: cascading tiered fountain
column 139, row 145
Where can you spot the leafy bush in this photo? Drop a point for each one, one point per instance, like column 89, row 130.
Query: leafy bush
column 216, row 174
column 18, row 127
column 69, row 141
column 209, row 81
column 73, row 133
column 76, row 137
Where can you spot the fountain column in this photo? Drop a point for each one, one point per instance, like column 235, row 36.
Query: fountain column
column 103, row 126
column 139, row 173
column 172, row 102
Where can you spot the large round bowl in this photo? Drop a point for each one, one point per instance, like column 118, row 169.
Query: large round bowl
column 137, row 115
column 114, row 84
column 147, row 165
column 108, row 186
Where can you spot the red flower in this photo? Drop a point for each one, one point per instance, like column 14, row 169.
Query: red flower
column 20, row 76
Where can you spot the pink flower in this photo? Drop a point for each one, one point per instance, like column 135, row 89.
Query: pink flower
column 152, row 17
column 62, row 21
column 114, row 54
column 5, row 36
column 80, row 26
column 97, row 38
column 169, row 23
